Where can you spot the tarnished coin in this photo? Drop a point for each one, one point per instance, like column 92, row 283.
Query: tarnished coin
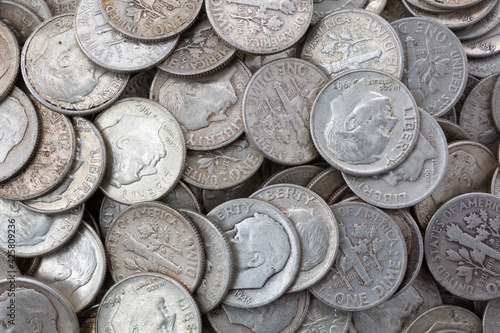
column 299, row 175
column 394, row 10
column 51, row 162
column 478, row 118
column 323, row 8
column 462, row 246
column 322, row 318
column 481, row 27
column 260, row 27
column 435, row 64
column 77, row 269
column 200, row 51
column 470, row 167
column 108, row 48
column 326, row 182
column 84, row 177
column 148, row 303
column 484, row 45
column 10, row 55
column 456, row 19
column 139, row 85
column 491, row 317
column 483, row 67
column 452, row 4
column 375, row 6
column 265, row 247
column 365, row 122
column 413, row 180
column 219, row 263
column 19, row 19
column 284, row 315
column 39, row 7
column 150, row 21
column 60, row 75
column 145, row 150
column 19, row 132
column 154, row 237
column 224, row 167
column 372, row 261
column 316, row 227
column 354, row 39
column 276, row 110
column 445, row 319
column 33, row 233
column 34, row 306
column 472, row 82
column 207, row 108
column 87, row 319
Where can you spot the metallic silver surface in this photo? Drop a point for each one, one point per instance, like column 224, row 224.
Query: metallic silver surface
column 445, row 319
column 9, row 53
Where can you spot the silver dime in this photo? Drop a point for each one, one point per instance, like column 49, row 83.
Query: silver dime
column 394, row 10
column 35, row 233
column 77, row 269
column 109, row 49
column 51, row 162
column 372, row 261
column 61, row 77
column 84, row 177
column 452, row 131
column 255, row 62
column 145, row 150
column 150, row 21
column 19, row 132
column 207, row 108
column 87, row 319
column 445, row 319
column 326, row 182
column 19, row 19
column 36, row 306
column 107, row 213
column 375, row 6
column 413, row 180
column 484, row 67
column 139, row 85
column 200, row 51
column 219, row 263
column 224, row 167
column 495, row 103
column 495, row 183
column 265, row 247
column 260, row 28
column 485, row 45
column 148, row 303
column 276, row 110
column 435, row 64
column 365, row 122
column 354, row 39
column 9, row 53
column 481, row 27
column 154, row 237
column 322, row 318
column 477, row 117
column 316, row 227
column 283, row 315
column 462, row 246
column 59, row 7
column 491, row 318
column 427, row 6
column 323, row 8
column 39, row 7
column 299, row 175
column 453, row 4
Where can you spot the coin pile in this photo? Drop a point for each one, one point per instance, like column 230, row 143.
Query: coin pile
column 250, row 166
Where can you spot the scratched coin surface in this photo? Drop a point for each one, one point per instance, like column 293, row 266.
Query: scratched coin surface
column 445, row 319
column 264, row 27
column 208, row 108
column 265, row 248
column 365, row 122
column 371, row 263
column 491, row 318
column 39, row 7
column 37, row 306
column 276, row 110
column 83, row 178
column 51, row 162
column 485, row 45
column 77, row 269
column 109, row 49
column 316, row 227
column 19, row 19
column 150, row 21
column 59, row 74
column 462, row 246
column 148, row 303
column 154, row 237
column 354, row 39
column 323, row 318
column 435, row 64
column 10, row 55
column 36, row 233
column 145, row 150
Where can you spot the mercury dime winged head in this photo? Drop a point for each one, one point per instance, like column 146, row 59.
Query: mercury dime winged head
column 359, row 128
column 63, row 72
column 197, row 102
column 14, row 124
column 135, row 147
column 261, row 248
column 35, row 313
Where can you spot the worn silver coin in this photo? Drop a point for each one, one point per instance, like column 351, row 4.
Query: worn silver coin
column 19, row 19
column 485, row 45
column 452, row 4
column 322, row 8
column 375, row 6
column 484, row 67
column 481, row 27
column 427, row 6
column 265, row 248
column 445, row 319
column 59, row 7
column 139, row 85
column 491, row 317
column 394, row 10
column 495, row 103
column 365, row 122
column 371, row 263
column 326, row 182
column 322, row 318
column 495, row 183
column 39, row 7
column 10, row 55
column 299, row 175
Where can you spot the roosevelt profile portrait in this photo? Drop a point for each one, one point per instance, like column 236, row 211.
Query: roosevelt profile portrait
column 14, row 123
